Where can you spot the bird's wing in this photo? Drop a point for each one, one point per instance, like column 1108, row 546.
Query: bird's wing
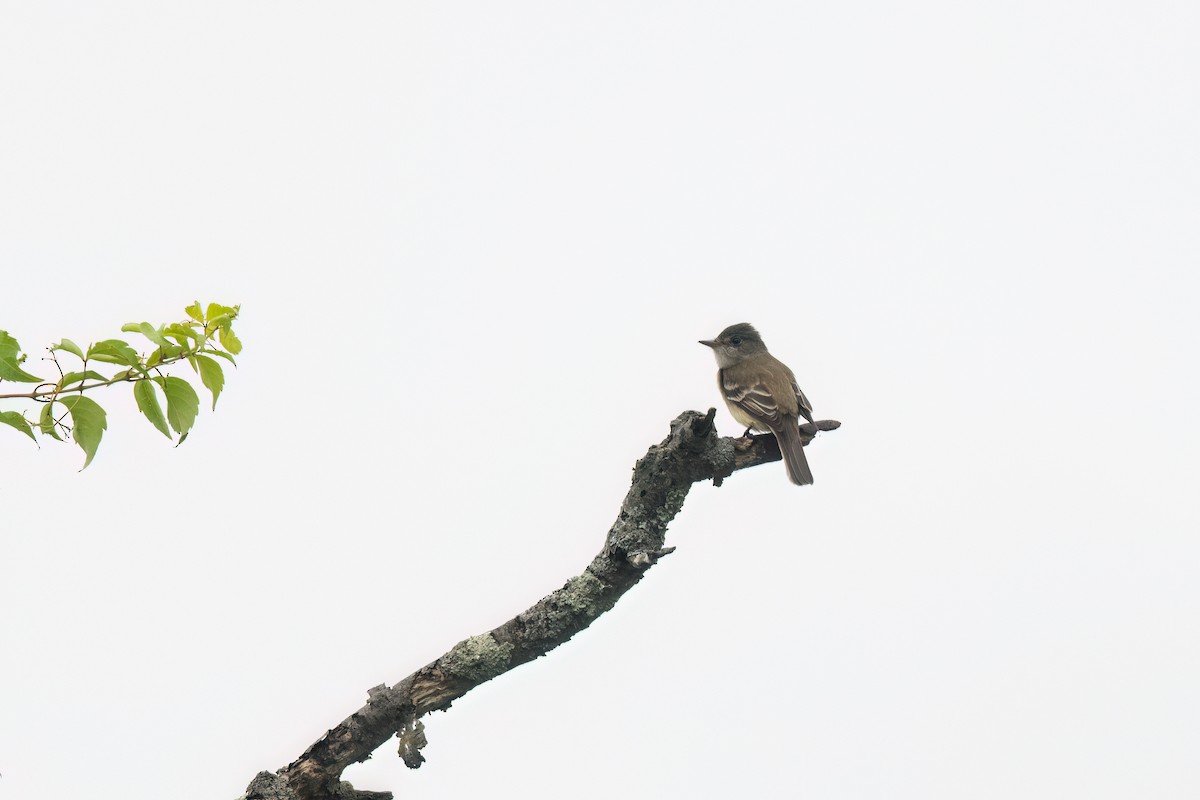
column 805, row 406
column 754, row 399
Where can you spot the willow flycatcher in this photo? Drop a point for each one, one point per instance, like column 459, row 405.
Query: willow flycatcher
column 762, row 394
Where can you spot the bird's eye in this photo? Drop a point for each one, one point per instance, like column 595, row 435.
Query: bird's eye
column 736, row 341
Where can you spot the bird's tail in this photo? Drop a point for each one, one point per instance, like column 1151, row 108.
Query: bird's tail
column 793, row 453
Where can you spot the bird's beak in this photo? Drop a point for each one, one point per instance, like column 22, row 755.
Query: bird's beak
column 708, row 343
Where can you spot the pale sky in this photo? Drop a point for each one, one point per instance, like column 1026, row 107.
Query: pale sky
column 475, row 245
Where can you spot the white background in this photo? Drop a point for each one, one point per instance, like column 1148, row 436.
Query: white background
column 475, row 245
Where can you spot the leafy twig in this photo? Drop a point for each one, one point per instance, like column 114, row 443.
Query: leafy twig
column 207, row 332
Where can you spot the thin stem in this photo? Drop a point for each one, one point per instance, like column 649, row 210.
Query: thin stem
column 54, row 391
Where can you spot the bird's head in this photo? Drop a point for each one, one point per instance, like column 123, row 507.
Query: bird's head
column 735, row 344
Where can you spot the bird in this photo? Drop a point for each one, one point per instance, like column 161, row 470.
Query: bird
column 762, row 394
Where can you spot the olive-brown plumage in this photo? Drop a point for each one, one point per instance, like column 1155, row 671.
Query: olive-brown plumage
column 762, row 394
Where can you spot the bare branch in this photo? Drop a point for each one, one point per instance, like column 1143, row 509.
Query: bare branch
column 661, row 480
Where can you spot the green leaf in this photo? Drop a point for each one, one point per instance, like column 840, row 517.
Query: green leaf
column 220, row 353
column 194, row 311
column 147, row 403
column 76, row 377
column 145, row 329
column 69, row 346
column 164, row 353
column 216, row 309
column 182, row 403
column 88, row 422
column 19, row 422
column 10, row 361
column 229, row 341
column 113, row 351
column 178, row 330
column 221, row 323
column 153, row 334
column 46, row 421
column 212, row 376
